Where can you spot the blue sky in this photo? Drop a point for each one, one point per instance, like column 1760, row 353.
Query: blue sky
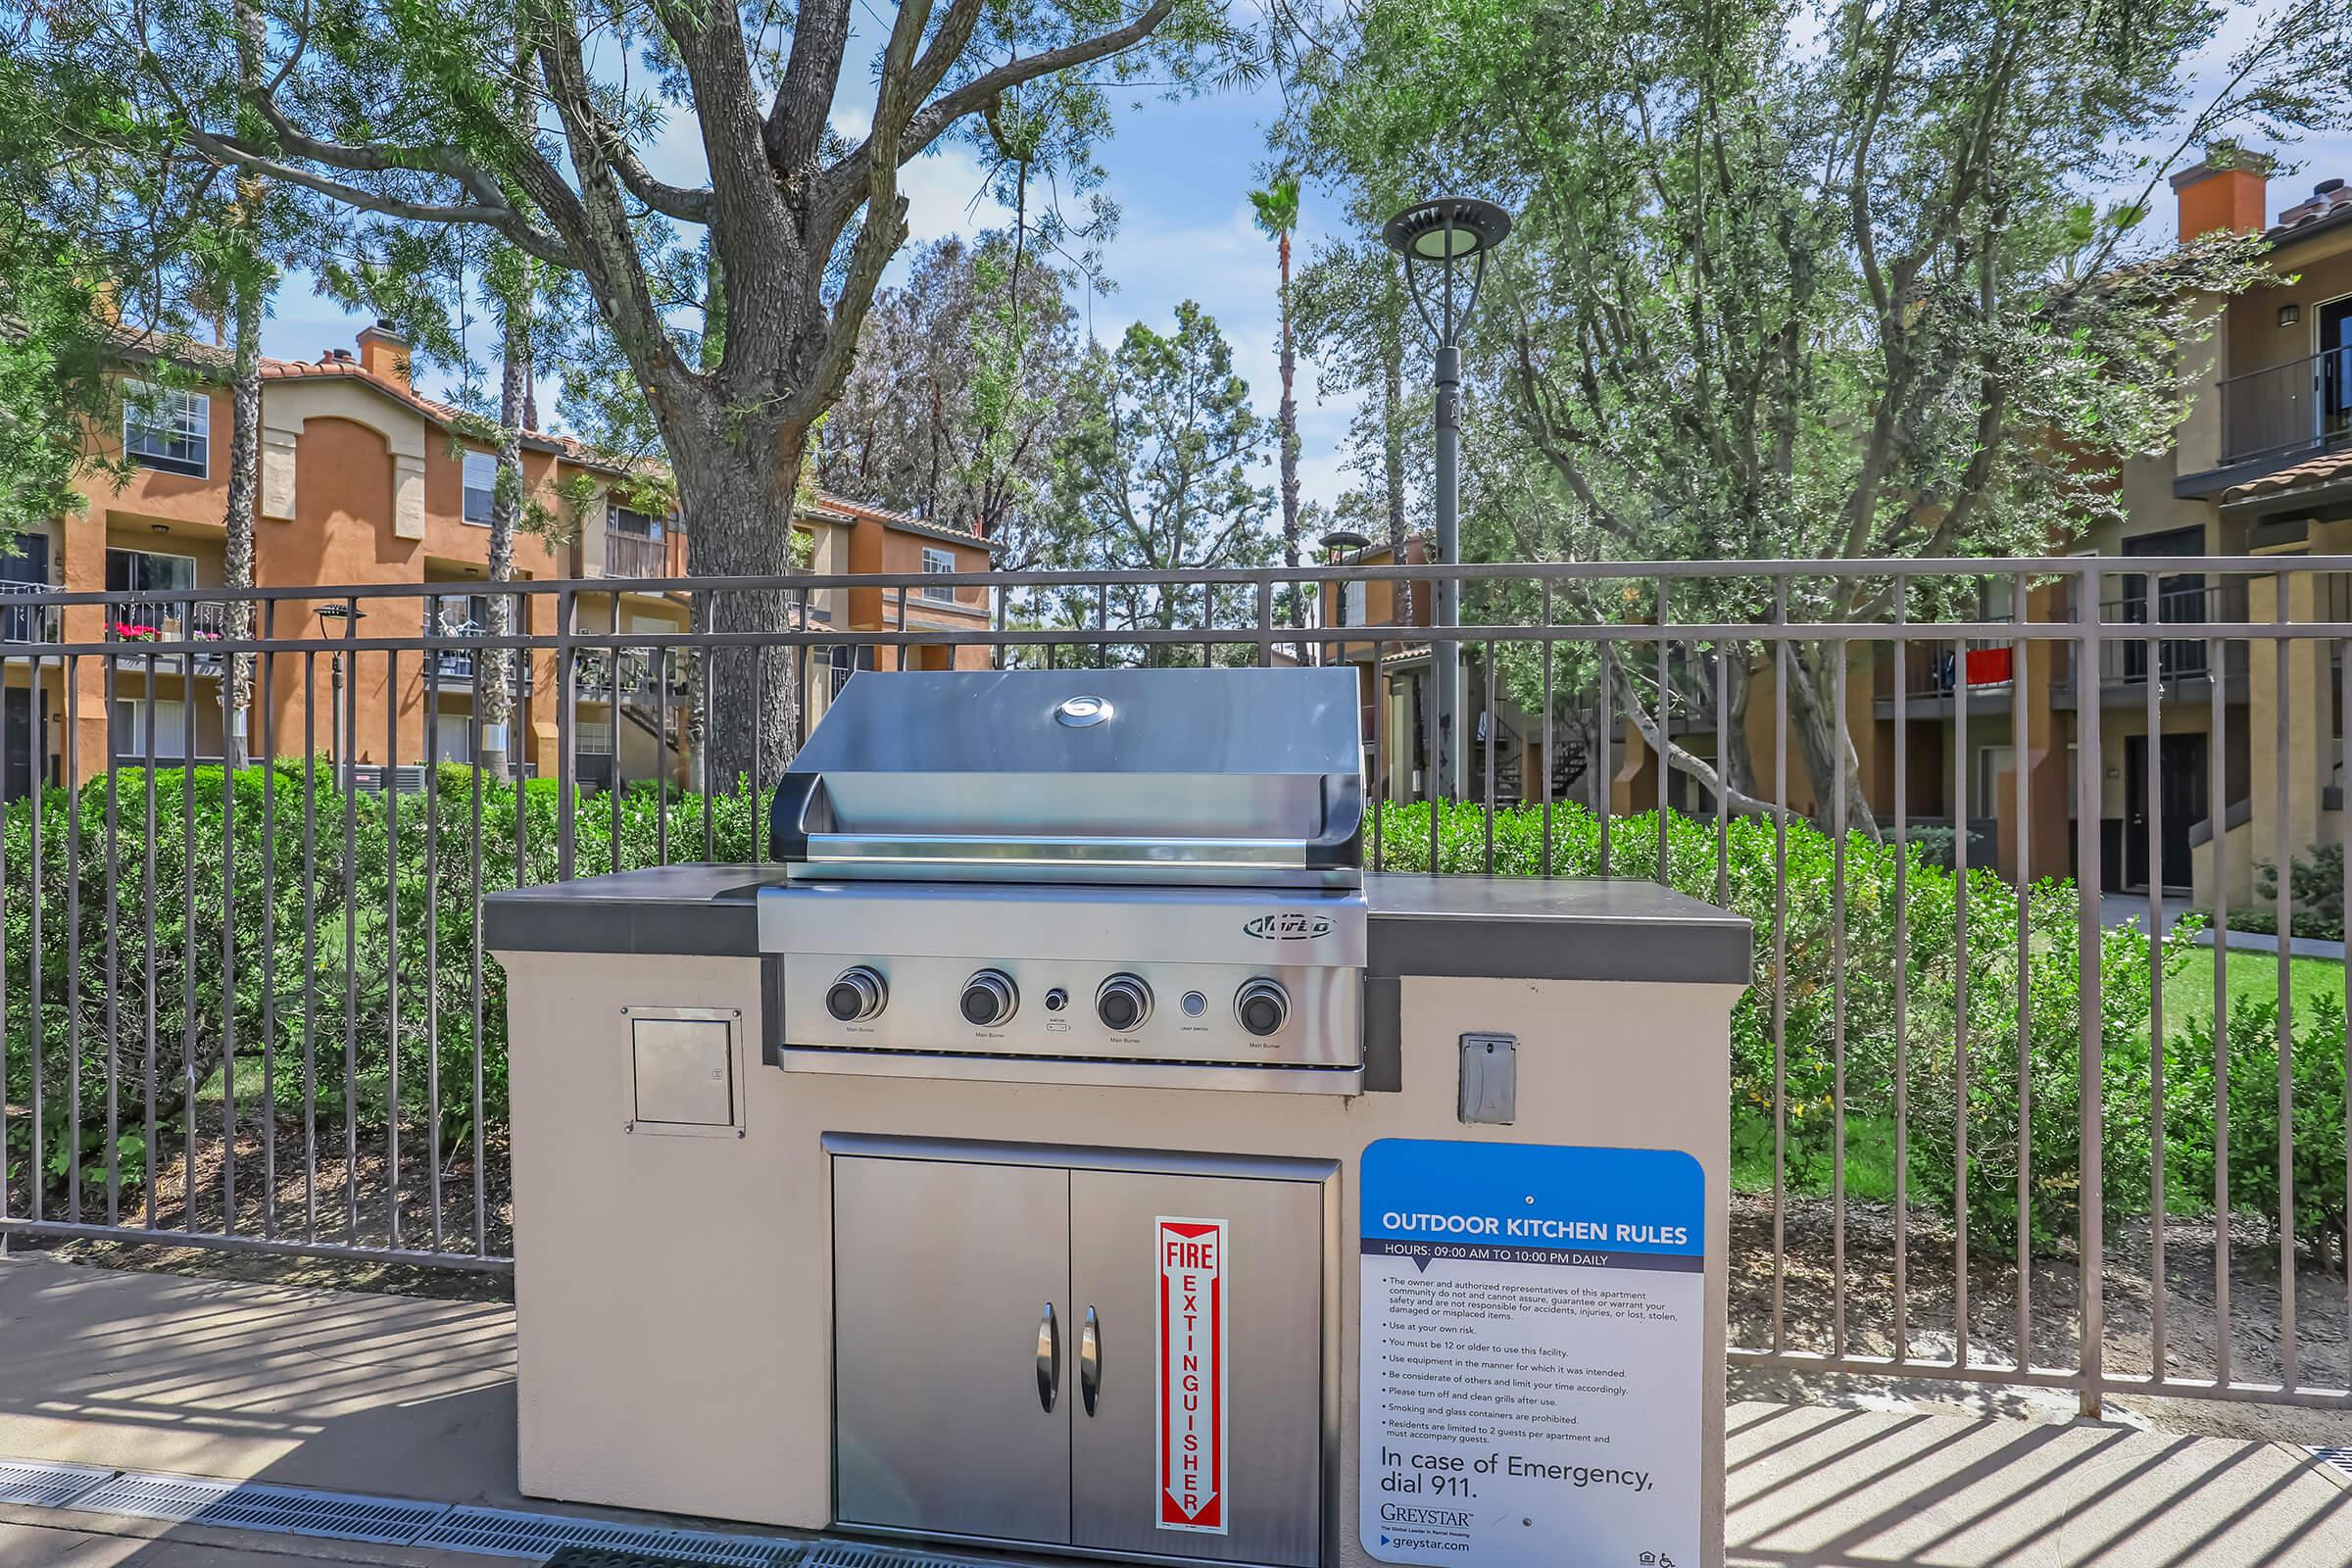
column 1182, row 173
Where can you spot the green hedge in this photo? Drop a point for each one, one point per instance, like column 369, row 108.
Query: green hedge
column 1926, row 919
column 201, row 1000
column 269, row 1007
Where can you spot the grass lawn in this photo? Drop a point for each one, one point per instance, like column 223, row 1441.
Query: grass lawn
column 2188, row 994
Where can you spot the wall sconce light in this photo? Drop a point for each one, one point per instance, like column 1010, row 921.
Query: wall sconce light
column 2290, row 315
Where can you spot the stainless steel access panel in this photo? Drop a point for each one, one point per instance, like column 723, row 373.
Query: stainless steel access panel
column 997, row 1345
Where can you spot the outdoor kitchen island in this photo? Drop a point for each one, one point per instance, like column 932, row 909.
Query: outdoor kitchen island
column 1269, row 1211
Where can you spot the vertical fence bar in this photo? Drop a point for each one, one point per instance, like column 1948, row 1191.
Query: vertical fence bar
column 114, row 1022
column 69, row 673
column 1665, row 746
column 477, row 665
column 1960, row 1063
column 1487, row 791
column 1838, row 828
column 155, row 1146
column 661, row 766
column 473, row 881
column 1550, row 765
column 613, row 661
column 347, row 747
column 2283, row 856
column 1723, row 778
column 189, row 1075
column 2152, row 780
column 568, row 696
column 1901, row 649
column 2343, row 666
column 1779, row 965
column 2022, row 878
column 392, row 1102
column 310, row 945
column 229, row 750
column 267, row 752
column 2092, row 1212
column 1601, row 793
column 36, row 1169
column 1381, row 784
column 7, row 1163
column 2218, row 815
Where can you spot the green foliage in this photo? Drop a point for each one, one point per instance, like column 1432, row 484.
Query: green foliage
column 2315, row 884
column 2250, row 1070
column 2012, row 1000
column 291, row 967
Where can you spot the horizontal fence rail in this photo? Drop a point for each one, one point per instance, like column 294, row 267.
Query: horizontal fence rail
column 2004, row 1108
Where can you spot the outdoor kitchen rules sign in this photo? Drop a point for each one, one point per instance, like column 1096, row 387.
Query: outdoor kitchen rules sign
column 1532, row 1347
column 1192, row 1277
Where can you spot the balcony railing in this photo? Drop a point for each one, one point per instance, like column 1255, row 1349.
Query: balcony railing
column 2287, row 408
column 25, row 623
column 170, row 620
column 633, row 554
column 462, row 666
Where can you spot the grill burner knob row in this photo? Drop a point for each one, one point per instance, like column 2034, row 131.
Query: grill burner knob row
column 1262, row 1007
column 1123, row 1004
column 859, row 994
column 989, row 998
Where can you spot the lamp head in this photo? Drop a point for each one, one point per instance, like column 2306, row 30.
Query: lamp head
column 1456, row 226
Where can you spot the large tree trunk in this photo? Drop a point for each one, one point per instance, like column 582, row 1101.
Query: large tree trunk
column 1820, row 734
column 1392, row 442
column 244, row 488
column 737, row 494
column 496, row 691
column 248, row 285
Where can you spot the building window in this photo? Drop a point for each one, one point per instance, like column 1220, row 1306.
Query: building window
column 938, row 560
column 637, row 524
column 1351, row 604
column 168, row 428
column 143, row 571
column 452, row 737
column 481, row 486
column 131, row 723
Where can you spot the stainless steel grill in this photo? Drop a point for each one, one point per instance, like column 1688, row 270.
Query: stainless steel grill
column 1091, row 876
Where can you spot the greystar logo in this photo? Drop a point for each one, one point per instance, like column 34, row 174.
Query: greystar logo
column 1289, row 926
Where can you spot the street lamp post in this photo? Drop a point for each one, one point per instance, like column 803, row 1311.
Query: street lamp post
column 1436, row 238
column 350, row 614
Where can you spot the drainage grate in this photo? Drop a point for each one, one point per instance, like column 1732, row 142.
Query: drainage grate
column 850, row 1555
column 505, row 1533
column 616, row 1557
column 2339, row 1458
column 254, row 1506
column 36, row 1484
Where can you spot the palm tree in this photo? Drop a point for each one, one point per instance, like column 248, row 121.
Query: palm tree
column 1278, row 215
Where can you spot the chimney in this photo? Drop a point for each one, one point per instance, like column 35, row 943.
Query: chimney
column 384, row 354
column 2229, row 192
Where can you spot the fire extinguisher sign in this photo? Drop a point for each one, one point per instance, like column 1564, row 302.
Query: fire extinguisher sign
column 1194, row 1273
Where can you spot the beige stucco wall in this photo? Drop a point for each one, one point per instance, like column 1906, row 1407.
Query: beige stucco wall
column 673, row 1293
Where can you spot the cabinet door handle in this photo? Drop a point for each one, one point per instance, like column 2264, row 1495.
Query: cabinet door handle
column 1089, row 1361
column 1048, row 1359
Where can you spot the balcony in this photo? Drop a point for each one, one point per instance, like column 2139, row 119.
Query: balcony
column 2287, row 410
column 25, row 623
column 636, row 555
column 170, row 620
column 462, row 666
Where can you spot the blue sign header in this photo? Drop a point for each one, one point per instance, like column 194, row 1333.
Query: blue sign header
column 1534, row 1197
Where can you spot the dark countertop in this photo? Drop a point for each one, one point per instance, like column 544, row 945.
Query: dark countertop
column 1501, row 927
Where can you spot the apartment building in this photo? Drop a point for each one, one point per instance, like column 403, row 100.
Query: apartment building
column 365, row 481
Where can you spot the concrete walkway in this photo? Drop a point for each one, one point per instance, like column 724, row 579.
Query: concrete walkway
column 414, row 1399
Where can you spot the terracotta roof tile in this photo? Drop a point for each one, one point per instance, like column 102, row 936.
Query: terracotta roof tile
column 2326, row 469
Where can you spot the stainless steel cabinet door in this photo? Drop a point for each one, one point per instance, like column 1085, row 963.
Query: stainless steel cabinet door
column 1230, row 1467
column 951, row 1385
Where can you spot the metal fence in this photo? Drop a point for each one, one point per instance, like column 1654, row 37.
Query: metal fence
column 1973, row 1135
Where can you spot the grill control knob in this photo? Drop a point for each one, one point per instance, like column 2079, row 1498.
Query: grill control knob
column 989, row 998
column 1262, row 1007
column 1123, row 1004
column 857, row 995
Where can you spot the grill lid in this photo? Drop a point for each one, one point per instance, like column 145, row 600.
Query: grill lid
column 1219, row 776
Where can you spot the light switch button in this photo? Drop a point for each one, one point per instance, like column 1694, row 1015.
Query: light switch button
column 685, row 1071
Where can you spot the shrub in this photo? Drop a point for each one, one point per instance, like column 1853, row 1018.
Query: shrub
column 2316, row 1094
column 288, row 964
column 1940, row 992
column 2315, row 885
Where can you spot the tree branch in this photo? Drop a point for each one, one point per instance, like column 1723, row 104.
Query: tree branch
column 849, row 182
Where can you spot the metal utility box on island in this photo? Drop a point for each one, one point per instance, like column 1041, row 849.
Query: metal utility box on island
column 1066, row 1148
